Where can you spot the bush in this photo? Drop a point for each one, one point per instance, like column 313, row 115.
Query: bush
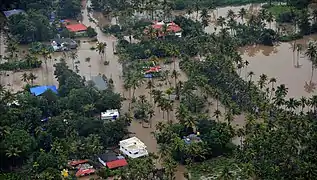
column 106, row 63
column 290, row 37
column 91, row 32
column 168, row 61
column 114, row 29
column 30, row 62
column 37, row 47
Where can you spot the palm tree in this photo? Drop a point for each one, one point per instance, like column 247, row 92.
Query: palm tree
column 73, row 56
column 204, row 14
column 240, row 133
column 250, row 74
column 46, row 55
column 101, row 49
column 246, row 64
column 151, row 114
column 311, row 53
column 299, row 49
column 242, row 13
column 263, row 14
column 221, row 21
column 262, row 81
column 136, row 81
column 197, row 8
column 168, row 107
column 217, row 114
column 272, row 81
column 189, row 11
column 24, row 77
column 229, row 116
column 12, row 48
column 175, row 75
column 226, row 174
column 150, row 85
column 13, row 152
column 231, row 14
column 232, row 24
column 270, row 19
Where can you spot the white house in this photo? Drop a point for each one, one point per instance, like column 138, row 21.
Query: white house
column 133, row 147
column 111, row 114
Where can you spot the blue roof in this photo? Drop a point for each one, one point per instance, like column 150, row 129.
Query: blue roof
column 13, row 12
column 41, row 89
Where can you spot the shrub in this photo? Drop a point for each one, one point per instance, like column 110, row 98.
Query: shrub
column 30, row 62
column 290, row 37
column 91, row 32
column 37, row 47
column 106, row 63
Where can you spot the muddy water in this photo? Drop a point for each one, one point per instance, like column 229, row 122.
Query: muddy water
column 280, row 62
column 273, row 61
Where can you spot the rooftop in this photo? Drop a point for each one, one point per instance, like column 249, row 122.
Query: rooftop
column 117, row 163
column 110, row 114
column 13, row 12
column 133, row 148
column 100, row 83
column 132, row 144
column 108, row 156
column 171, row 26
column 39, row 90
column 192, row 138
column 76, row 27
column 77, row 162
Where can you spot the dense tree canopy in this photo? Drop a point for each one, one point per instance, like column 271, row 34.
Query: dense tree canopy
column 30, row 27
column 72, row 130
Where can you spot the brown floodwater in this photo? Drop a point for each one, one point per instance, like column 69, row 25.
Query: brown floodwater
column 281, row 63
column 274, row 61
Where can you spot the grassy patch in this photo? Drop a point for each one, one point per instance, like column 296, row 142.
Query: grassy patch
column 279, row 9
column 212, row 168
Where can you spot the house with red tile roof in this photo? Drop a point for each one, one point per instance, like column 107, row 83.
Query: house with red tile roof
column 171, row 28
column 77, row 28
column 117, row 163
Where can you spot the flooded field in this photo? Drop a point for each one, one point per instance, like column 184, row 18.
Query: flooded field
column 281, row 63
column 275, row 62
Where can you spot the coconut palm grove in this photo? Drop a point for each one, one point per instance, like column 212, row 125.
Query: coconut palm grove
column 173, row 72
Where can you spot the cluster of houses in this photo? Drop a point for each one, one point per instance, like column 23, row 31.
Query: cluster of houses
column 129, row 148
column 59, row 44
column 165, row 28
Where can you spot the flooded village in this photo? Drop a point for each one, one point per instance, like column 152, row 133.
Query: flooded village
column 290, row 67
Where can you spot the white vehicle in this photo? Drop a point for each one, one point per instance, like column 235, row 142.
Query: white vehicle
column 111, row 114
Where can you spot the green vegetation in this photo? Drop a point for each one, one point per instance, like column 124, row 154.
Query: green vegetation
column 34, row 25
column 30, row 62
column 72, row 130
column 276, row 10
column 278, row 138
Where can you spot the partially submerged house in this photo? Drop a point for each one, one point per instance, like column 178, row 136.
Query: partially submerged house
column 100, row 83
column 133, row 147
column 12, row 12
column 62, row 44
column 171, row 28
column 78, row 29
column 112, row 160
column 83, row 167
column 111, row 114
column 39, row 90
column 192, row 138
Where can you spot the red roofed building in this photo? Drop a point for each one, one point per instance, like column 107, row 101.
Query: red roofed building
column 171, row 27
column 75, row 163
column 84, row 172
column 76, row 28
column 117, row 163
